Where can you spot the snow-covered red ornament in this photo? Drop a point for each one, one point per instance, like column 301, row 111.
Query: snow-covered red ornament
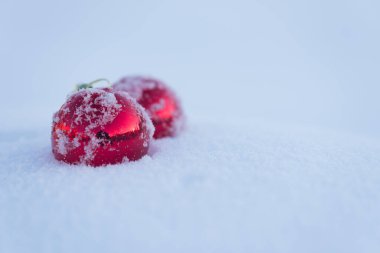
column 159, row 100
column 100, row 126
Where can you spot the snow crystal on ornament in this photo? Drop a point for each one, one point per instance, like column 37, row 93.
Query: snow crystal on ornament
column 99, row 127
column 159, row 101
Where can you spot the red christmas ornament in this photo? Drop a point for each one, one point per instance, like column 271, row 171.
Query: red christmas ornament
column 99, row 127
column 160, row 102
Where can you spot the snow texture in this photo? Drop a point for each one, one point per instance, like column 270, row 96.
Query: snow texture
column 215, row 188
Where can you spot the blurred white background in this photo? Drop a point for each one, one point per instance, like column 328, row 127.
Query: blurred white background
column 312, row 63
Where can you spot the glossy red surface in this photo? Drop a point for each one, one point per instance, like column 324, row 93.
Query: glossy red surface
column 161, row 103
column 94, row 130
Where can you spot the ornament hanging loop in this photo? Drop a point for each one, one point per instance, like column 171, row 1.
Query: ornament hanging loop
column 91, row 84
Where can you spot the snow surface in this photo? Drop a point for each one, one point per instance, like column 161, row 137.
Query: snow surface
column 216, row 188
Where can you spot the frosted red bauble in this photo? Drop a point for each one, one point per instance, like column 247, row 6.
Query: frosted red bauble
column 159, row 100
column 99, row 127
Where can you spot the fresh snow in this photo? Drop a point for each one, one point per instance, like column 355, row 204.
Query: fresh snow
column 216, row 188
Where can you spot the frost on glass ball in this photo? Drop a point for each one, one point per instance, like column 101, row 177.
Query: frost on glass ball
column 100, row 126
column 160, row 102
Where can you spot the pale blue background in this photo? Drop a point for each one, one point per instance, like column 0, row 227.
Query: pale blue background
column 312, row 63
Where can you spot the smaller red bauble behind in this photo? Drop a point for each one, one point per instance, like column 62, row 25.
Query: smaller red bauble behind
column 99, row 127
column 160, row 102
